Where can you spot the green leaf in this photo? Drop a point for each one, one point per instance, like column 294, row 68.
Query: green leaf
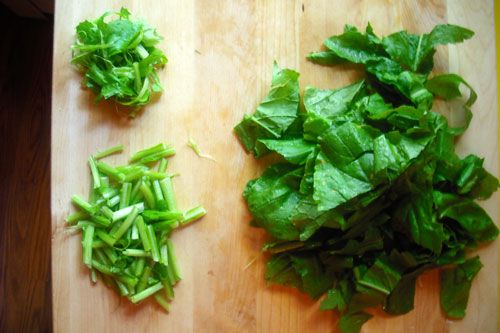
column 416, row 52
column 325, row 58
column 352, row 322
column 330, row 104
column 455, row 287
column 381, row 276
column 332, row 186
column 353, row 46
column 333, row 300
column 469, row 215
column 279, row 270
column 401, row 298
column 449, row 34
column 346, row 143
column 275, row 114
column 271, row 197
column 295, row 151
column 336, row 298
column 314, row 279
column 415, row 215
column 447, row 86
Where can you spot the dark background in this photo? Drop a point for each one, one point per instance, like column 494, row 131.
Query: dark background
column 25, row 225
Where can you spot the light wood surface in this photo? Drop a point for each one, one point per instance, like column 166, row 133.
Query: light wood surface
column 220, row 59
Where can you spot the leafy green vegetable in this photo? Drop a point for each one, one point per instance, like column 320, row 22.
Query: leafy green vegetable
column 352, row 322
column 126, row 240
column 275, row 114
column 455, row 286
column 119, row 59
column 369, row 192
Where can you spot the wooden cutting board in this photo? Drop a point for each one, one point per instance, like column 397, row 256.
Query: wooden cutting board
column 220, row 60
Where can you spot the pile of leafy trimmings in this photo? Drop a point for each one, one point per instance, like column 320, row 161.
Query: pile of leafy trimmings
column 127, row 222
column 370, row 192
column 119, row 59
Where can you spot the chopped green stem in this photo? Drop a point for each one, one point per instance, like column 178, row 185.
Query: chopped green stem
column 122, row 240
column 156, row 215
column 155, row 254
column 109, row 151
column 88, row 236
column 136, row 253
column 164, row 254
column 162, row 301
column 168, row 225
column 194, row 146
column 168, row 193
column 172, row 260
column 84, row 205
column 106, row 211
column 110, row 254
column 104, row 181
column 104, row 269
column 139, row 267
column 148, row 195
column 169, row 291
column 104, row 236
column 93, row 275
column 108, row 192
column 141, row 51
column 157, row 191
column 143, row 281
column 137, row 77
column 98, row 243
column 134, row 235
column 125, row 195
column 76, row 216
column 129, row 280
column 148, row 151
column 162, row 167
column 123, row 289
column 155, row 175
column 170, row 273
column 101, row 221
column 135, row 191
column 84, row 223
column 122, row 213
column 110, row 171
column 101, row 257
column 157, row 156
column 114, row 201
column 134, row 175
column 126, row 224
column 193, row 214
column 143, row 233
column 146, row 293
column 95, row 174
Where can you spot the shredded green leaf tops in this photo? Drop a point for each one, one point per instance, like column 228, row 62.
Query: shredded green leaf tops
column 127, row 222
column 369, row 192
column 119, row 59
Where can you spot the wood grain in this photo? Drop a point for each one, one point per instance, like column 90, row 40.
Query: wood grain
column 25, row 224
column 220, row 55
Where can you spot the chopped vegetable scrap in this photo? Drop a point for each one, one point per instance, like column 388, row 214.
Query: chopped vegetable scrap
column 370, row 192
column 127, row 222
column 119, row 59
column 196, row 148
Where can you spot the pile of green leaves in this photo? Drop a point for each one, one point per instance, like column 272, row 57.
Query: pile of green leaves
column 119, row 59
column 369, row 192
column 127, row 222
